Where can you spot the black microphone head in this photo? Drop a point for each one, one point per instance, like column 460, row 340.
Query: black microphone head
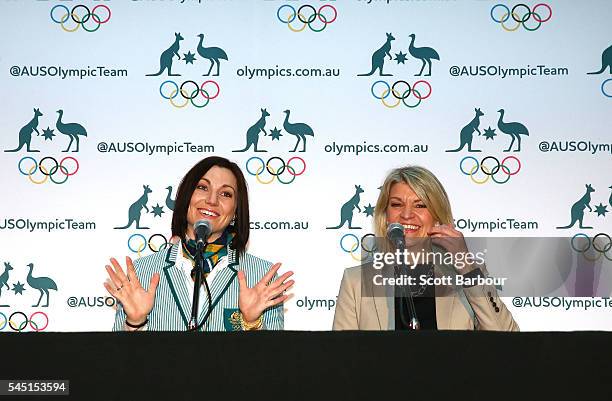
column 202, row 229
column 395, row 233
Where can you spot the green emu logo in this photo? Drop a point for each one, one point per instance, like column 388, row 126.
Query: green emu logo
column 299, row 130
column 42, row 284
column 212, row 54
column 424, row 54
column 513, row 129
column 71, row 130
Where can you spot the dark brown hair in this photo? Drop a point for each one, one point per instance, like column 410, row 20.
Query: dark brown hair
column 188, row 186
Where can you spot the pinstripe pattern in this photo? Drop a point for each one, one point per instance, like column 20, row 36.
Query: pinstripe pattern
column 172, row 307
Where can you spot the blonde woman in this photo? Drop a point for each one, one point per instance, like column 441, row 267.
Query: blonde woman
column 413, row 197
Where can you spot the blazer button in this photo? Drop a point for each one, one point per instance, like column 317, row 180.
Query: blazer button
column 496, row 309
column 491, row 299
column 489, row 293
column 494, row 305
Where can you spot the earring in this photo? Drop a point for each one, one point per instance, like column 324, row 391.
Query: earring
column 233, row 222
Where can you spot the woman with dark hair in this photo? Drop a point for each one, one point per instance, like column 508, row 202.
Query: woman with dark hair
column 245, row 291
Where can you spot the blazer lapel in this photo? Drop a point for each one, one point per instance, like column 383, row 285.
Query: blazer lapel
column 384, row 306
column 385, row 310
column 445, row 301
column 176, row 282
column 444, row 312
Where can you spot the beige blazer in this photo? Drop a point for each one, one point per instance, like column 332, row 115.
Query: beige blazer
column 474, row 308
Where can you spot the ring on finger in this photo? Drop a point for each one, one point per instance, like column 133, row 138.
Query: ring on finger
column 119, row 288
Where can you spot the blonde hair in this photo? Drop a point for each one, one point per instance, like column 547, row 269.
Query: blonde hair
column 424, row 184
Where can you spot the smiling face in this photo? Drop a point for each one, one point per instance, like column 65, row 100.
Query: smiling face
column 406, row 208
column 214, row 199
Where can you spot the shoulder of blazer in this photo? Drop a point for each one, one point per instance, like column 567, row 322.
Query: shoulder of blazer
column 246, row 261
column 157, row 260
column 353, row 275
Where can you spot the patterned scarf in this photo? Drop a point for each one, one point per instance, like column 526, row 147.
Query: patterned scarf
column 213, row 252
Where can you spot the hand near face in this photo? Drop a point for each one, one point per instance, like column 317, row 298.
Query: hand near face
column 450, row 239
column 253, row 301
column 136, row 301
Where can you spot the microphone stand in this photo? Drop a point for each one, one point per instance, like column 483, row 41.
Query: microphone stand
column 199, row 268
column 199, row 265
column 413, row 324
column 414, row 321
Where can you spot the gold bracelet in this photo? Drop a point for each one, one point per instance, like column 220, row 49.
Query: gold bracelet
column 256, row 325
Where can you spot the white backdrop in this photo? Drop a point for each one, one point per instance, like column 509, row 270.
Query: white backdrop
column 341, row 110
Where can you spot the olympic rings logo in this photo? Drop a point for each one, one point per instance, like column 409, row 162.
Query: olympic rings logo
column 366, row 244
column 401, row 91
column 154, row 246
column 521, row 13
column 190, row 94
column 490, row 172
column 21, row 324
column 603, row 88
column 592, row 243
column 276, row 172
column 82, row 17
column 47, row 173
column 315, row 20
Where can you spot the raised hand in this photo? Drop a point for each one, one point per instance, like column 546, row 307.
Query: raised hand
column 450, row 239
column 136, row 301
column 253, row 301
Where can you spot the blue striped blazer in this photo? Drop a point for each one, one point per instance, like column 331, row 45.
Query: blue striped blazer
column 172, row 307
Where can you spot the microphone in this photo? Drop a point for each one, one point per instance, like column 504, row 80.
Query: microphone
column 395, row 234
column 202, row 231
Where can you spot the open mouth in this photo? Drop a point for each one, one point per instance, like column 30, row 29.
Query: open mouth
column 209, row 214
column 410, row 228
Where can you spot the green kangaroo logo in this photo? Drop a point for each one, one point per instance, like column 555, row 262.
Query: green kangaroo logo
column 467, row 133
column 299, row 130
column 214, row 54
column 346, row 211
column 4, row 277
column 135, row 211
column 606, row 61
column 165, row 60
column 514, row 129
column 252, row 135
column 577, row 210
column 25, row 133
column 378, row 58
column 42, row 284
column 72, row 130
column 425, row 54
